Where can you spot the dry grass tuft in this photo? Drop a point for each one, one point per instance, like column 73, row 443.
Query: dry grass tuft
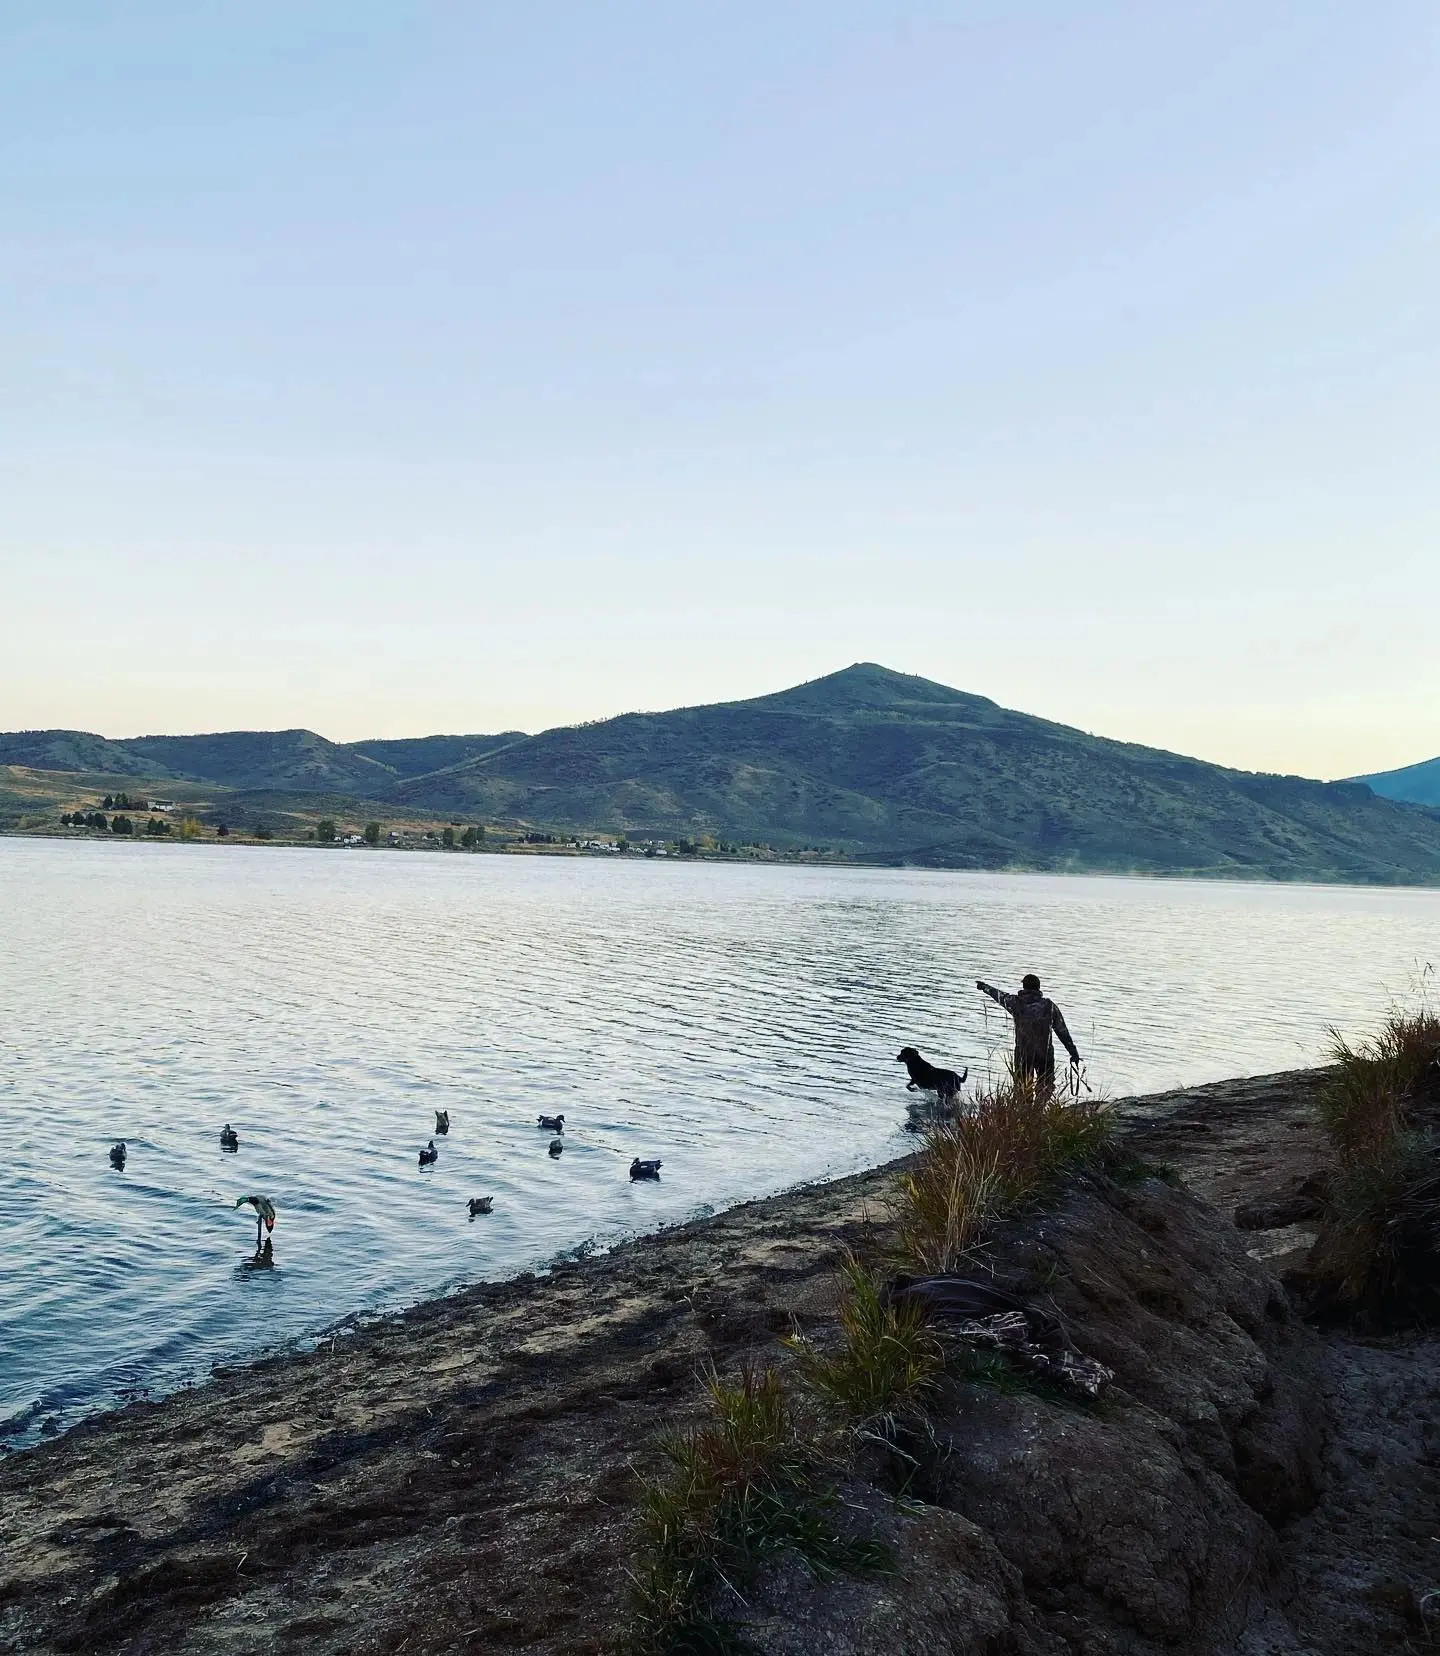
column 1379, row 1245
column 1008, row 1151
column 1382, row 1086
column 739, row 1492
column 887, row 1364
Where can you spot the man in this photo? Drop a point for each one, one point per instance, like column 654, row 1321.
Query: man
column 1036, row 1020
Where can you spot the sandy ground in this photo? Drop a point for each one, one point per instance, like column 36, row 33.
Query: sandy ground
column 460, row 1477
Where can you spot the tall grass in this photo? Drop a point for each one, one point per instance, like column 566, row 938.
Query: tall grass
column 738, row 1492
column 1379, row 1244
column 1015, row 1144
column 1382, row 1084
column 886, row 1364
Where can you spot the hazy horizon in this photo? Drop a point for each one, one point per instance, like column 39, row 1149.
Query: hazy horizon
column 397, row 368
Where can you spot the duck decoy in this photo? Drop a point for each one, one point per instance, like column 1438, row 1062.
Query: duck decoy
column 442, row 1121
column 556, row 1146
column 429, row 1155
column 117, row 1155
column 229, row 1138
column 551, row 1124
column 481, row 1204
column 645, row 1169
column 264, row 1214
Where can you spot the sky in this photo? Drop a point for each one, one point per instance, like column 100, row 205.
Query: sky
column 393, row 368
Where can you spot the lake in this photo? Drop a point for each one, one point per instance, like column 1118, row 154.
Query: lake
column 739, row 1022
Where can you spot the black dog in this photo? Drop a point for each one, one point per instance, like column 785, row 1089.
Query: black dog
column 926, row 1078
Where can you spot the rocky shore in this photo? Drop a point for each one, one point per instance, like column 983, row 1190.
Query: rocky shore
column 463, row 1477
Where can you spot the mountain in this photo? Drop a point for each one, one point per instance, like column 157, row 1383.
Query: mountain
column 894, row 768
column 1417, row 784
column 881, row 765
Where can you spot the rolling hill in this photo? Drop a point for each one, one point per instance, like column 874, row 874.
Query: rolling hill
column 1416, row 784
column 880, row 765
column 297, row 759
column 75, row 750
column 251, row 759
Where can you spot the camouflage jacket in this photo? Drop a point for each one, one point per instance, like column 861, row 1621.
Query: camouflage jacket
column 1037, row 1019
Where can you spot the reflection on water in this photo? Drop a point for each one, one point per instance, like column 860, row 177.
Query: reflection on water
column 739, row 1023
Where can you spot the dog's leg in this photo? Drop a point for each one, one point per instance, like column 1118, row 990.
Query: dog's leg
column 912, row 1086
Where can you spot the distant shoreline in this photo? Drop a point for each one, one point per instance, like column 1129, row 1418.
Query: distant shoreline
column 501, row 848
column 778, row 859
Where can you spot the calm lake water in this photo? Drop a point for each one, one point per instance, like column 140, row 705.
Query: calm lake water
column 741, row 1023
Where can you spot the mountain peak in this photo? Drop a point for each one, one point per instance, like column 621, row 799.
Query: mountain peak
column 867, row 686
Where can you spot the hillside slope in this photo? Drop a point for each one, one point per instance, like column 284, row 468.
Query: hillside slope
column 75, row 750
column 264, row 759
column 416, row 755
column 1415, row 784
column 893, row 767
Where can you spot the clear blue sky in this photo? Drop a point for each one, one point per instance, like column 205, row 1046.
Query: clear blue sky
column 394, row 368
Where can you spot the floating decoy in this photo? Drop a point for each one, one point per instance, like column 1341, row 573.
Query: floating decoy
column 429, row 1154
column 556, row 1146
column 117, row 1155
column 442, row 1121
column 551, row 1124
column 481, row 1204
column 264, row 1214
column 644, row 1169
column 229, row 1138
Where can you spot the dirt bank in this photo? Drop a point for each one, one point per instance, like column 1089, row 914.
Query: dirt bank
column 460, row 1477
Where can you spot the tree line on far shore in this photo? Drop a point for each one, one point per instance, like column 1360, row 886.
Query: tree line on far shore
column 327, row 831
column 155, row 827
